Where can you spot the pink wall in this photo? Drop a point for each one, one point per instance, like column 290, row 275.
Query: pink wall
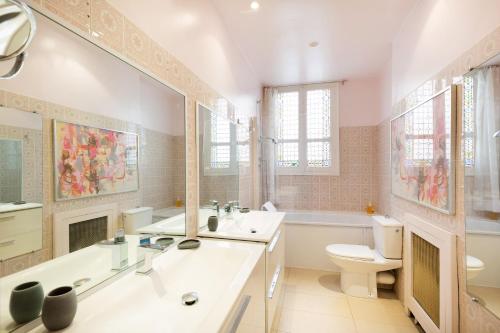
column 360, row 102
column 193, row 32
column 434, row 34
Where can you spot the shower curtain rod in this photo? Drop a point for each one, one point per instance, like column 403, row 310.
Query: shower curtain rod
column 308, row 84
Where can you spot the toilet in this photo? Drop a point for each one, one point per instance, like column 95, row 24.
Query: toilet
column 474, row 267
column 136, row 218
column 359, row 264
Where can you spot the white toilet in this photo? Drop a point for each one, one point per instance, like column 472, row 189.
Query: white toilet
column 474, row 267
column 359, row 264
column 136, row 218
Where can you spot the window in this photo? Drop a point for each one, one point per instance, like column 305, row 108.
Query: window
column 219, row 148
column 306, row 129
column 243, row 140
column 468, row 122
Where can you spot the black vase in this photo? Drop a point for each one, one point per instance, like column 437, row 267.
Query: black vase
column 26, row 302
column 59, row 308
column 213, row 223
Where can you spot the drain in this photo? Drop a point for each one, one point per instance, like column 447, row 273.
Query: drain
column 190, row 298
column 253, row 231
column 80, row 282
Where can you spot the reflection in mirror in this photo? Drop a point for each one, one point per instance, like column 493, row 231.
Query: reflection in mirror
column 481, row 122
column 219, row 153
column 110, row 143
column 18, row 27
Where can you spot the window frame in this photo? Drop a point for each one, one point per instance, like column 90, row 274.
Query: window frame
column 303, row 168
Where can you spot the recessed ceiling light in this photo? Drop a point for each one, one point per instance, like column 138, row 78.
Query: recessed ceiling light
column 313, row 44
column 254, row 5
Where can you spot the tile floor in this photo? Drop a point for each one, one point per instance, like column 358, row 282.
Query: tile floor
column 313, row 302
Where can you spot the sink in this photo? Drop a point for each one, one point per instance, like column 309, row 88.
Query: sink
column 474, row 267
column 86, row 268
column 216, row 272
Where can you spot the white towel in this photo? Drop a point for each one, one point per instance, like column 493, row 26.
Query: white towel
column 268, row 206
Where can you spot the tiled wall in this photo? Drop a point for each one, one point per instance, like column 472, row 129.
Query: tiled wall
column 98, row 21
column 351, row 191
column 31, row 140
column 473, row 317
column 159, row 164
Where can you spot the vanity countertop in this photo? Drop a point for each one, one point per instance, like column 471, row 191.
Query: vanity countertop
column 264, row 224
column 10, row 207
column 217, row 272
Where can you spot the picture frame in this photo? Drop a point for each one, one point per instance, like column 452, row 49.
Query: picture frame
column 92, row 161
column 423, row 152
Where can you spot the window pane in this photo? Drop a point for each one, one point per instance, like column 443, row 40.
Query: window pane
column 318, row 114
column 421, row 120
column 288, row 154
column 318, row 155
column 419, row 150
column 287, row 116
column 468, row 121
column 220, row 157
column 221, row 130
column 244, row 153
column 242, row 132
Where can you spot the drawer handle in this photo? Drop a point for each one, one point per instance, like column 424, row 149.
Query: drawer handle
column 274, row 242
column 7, row 243
column 274, row 282
column 239, row 314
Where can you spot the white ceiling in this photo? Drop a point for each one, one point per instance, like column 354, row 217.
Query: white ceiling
column 354, row 37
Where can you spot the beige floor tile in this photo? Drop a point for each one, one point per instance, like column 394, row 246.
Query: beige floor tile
column 373, row 327
column 306, row 322
column 382, row 311
column 313, row 282
column 324, row 304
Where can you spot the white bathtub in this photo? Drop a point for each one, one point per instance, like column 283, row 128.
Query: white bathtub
column 309, row 232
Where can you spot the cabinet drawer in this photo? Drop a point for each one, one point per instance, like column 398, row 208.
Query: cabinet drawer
column 20, row 244
column 275, row 273
column 20, row 222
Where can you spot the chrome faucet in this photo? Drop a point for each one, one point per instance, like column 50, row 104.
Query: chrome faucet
column 119, row 250
column 149, row 251
column 215, row 206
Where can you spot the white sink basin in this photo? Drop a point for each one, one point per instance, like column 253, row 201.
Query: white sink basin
column 170, row 226
column 93, row 262
column 217, row 272
column 255, row 226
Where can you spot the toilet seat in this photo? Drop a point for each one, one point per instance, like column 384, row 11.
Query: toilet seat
column 351, row 251
column 474, row 263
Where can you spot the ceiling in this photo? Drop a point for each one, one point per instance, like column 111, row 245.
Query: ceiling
column 354, row 37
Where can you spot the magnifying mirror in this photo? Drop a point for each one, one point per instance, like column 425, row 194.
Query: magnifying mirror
column 17, row 28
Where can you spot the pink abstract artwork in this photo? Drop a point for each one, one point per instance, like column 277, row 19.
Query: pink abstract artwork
column 91, row 161
column 422, row 152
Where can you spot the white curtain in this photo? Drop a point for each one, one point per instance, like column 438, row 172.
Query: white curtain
column 486, row 189
column 268, row 147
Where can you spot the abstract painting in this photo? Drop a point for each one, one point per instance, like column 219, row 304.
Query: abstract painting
column 93, row 161
column 422, row 152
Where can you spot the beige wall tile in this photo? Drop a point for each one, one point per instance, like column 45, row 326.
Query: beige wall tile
column 76, row 12
column 107, row 25
column 137, row 44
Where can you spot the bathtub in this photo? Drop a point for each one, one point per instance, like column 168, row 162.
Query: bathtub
column 309, row 232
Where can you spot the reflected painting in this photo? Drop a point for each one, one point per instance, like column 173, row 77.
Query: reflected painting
column 422, row 146
column 92, row 161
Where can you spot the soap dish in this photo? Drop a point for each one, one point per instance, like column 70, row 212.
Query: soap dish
column 165, row 241
column 189, row 244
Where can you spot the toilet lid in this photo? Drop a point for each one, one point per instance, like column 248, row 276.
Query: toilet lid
column 359, row 252
column 473, row 262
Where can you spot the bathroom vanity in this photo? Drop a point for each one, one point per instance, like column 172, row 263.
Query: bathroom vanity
column 265, row 228
column 224, row 275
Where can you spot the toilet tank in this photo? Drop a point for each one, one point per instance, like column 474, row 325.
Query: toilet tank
column 388, row 236
column 137, row 218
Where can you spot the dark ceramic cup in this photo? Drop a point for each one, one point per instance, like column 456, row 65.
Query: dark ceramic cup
column 59, row 308
column 26, row 302
column 213, row 223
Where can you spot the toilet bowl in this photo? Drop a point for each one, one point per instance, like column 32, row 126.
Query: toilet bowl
column 474, row 267
column 359, row 264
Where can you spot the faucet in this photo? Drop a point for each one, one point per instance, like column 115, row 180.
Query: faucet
column 215, row 206
column 119, row 250
column 149, row 251
column 230, row 207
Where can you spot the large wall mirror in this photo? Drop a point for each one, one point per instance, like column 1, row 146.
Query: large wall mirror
column 109, row 143
column 219, row 161
column 481, row 138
